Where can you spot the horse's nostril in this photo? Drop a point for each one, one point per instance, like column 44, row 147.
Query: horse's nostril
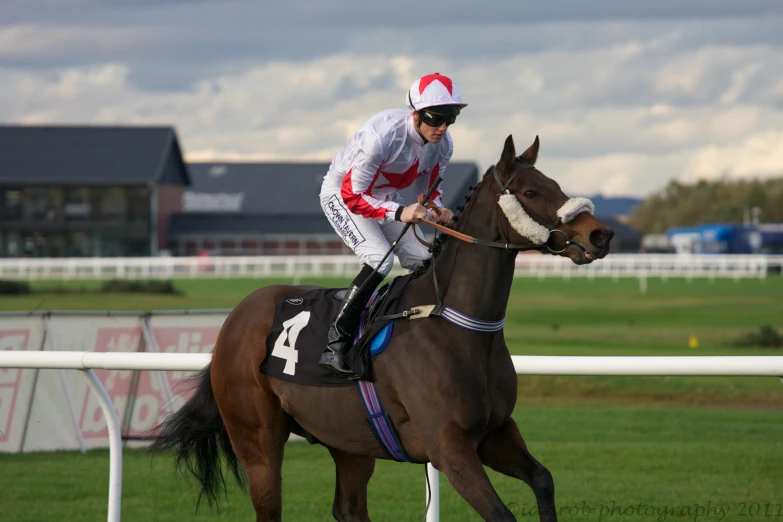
column 600, row 237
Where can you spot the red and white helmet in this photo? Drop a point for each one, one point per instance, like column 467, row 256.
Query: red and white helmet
column 432, row 90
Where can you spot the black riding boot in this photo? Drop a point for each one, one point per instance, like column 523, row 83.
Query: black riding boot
column 346, row 323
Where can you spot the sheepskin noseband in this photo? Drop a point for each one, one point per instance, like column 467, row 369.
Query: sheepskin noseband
column 527, row 227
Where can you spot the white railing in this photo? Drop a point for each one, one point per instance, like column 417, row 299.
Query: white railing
column 525, row 365
column 653, row 265
column 532, row 265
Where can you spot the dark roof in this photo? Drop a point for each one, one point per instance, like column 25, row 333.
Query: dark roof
column 293, row 188
column 89, row 155
column 208, row 223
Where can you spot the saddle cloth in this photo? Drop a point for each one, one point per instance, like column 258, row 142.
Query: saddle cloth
column 301, row 325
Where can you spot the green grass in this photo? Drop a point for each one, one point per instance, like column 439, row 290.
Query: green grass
column 662, row 442
column 553, row 317
column 599, row 455
column 194, row 294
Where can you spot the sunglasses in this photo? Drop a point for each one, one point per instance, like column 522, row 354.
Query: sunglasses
column 433, row 119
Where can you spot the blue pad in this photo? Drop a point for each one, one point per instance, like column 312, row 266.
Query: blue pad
column 381, row 340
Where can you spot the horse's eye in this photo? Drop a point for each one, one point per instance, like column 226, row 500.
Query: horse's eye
column 531, row 194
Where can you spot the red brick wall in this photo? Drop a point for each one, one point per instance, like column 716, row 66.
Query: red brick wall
column 169, row 202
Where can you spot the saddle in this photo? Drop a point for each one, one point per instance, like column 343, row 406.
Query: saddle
column 301, row 324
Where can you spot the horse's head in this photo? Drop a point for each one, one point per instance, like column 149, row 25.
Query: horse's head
column 535, row 210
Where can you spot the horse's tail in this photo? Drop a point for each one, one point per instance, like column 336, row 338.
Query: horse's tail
column 198, row 436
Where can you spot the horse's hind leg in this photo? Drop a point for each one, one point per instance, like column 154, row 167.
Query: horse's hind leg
column 505, row 451
column 350, row 491
column 258, row 429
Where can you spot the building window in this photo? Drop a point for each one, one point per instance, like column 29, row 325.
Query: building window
column 77, row 204
column 78, row 245
column 54, row 204
column 138, row 204
column 335, row 247
column 191, row 247
column 314, row 247
column 249, row 246
column 113, row 204
column 34, row 204
column 292, row 247
column 227, row 246
column 12, row 204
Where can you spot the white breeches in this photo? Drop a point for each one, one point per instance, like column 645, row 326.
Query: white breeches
column 370, row 239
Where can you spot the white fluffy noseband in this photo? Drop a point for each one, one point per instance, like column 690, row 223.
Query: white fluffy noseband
column 573, row 207
column 527, row 227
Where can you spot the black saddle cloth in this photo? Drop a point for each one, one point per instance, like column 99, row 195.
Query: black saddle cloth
column 299, row 333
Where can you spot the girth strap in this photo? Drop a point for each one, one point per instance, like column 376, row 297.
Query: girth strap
column 449, row 314
column 380, row 423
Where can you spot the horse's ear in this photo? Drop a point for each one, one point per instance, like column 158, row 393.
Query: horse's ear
column 531, row 154
column 509, row 155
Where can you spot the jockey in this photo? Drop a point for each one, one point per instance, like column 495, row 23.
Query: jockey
column 360, row 195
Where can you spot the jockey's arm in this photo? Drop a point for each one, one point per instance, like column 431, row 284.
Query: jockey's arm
column 356, row 187
column 423, row 184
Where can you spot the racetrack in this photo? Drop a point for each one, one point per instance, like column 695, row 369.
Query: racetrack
column 644, row 444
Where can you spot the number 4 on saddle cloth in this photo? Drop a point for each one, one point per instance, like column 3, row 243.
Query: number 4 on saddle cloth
column 301, row 324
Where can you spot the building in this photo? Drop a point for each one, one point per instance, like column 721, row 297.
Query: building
column 83, row 191
column 107, row 191
column 728, row 238
column 626, row 240
column 120, row 191
column 270, row 209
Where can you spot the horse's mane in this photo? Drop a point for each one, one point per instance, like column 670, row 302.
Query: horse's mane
column 460, row 217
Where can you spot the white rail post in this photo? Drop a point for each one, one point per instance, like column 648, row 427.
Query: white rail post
column 115, row 444
column 433, row 494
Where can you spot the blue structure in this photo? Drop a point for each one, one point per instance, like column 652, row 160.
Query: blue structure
column 727, row 238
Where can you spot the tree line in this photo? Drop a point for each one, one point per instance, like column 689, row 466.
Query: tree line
column 721, row 201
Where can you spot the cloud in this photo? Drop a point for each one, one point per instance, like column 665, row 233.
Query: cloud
column 612, row 174
column 759, row 155
column 621, row 106
column 402, row 12
column 57, row 44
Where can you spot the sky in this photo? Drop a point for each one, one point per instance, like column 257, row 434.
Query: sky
column 624, row 95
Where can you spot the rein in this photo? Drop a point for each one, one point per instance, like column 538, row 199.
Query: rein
column 509, row 247
column 475, row 241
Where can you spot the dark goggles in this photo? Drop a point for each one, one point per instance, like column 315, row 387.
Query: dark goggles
column 434, row 119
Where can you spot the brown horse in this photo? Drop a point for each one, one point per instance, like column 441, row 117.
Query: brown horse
column 450, row 392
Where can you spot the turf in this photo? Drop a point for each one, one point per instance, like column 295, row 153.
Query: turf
column 620, row 448
column 552, row 317
column 602, row 457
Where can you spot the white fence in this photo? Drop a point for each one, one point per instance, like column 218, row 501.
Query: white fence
column 538, row 365
column 535, row 265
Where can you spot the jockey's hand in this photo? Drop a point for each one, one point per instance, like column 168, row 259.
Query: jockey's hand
column 413, row 213
column 444, row 216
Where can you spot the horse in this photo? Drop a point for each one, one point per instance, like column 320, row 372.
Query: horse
column 449, row 392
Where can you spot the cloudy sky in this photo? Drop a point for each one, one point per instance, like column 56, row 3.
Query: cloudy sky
column 625, row 95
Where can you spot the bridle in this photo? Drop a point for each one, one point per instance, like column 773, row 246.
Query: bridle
column 510, row 247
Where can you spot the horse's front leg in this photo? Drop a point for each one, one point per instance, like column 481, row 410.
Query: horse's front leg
column 456, row 457
column 505, row 451
column 350, row 492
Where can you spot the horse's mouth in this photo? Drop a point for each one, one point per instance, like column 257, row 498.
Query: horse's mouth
column 581, row 255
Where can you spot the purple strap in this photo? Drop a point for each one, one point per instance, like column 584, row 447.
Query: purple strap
column 378, row 418
column 380, row 422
